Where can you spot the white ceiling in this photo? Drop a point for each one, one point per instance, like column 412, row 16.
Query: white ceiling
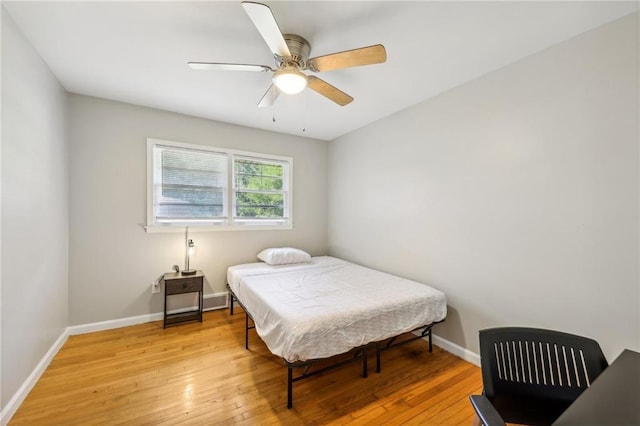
column 137, row 52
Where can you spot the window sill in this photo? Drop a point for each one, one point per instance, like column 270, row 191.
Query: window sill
column 152, row 229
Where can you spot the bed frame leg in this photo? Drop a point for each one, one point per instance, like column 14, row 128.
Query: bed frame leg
column 230, row 304
column 430, row 344
column 289, row 386
column 365, row 359
column 378, row 367
column 246, row 331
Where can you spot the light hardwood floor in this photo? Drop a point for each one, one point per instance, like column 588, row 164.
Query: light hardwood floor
column 200, row 374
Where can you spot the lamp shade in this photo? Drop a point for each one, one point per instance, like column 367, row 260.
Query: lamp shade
column 191, row 250
column 290, row 80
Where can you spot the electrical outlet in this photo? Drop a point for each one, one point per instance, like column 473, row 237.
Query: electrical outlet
column 155, row 287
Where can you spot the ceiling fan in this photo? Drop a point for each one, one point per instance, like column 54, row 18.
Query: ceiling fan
column 291, row 54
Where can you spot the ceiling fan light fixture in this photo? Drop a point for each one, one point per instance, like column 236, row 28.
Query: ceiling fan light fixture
column 290, row 80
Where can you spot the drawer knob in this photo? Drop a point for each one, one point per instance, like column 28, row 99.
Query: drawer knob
column 184, row 285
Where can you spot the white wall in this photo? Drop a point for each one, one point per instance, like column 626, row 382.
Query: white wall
column 112, row 259
column 34, row 209
column 516, row 194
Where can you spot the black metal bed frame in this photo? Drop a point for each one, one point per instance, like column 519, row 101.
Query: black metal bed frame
column 393, row 342
column 359, row 353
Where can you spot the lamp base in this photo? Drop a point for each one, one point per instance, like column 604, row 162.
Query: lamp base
column 189, row 272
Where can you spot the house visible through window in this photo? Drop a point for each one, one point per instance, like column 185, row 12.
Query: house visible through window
column 191, row 185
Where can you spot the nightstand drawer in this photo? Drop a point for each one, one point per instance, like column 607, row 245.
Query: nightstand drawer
column 183, row 285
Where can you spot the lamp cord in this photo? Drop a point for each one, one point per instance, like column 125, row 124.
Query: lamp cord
column 186, row 247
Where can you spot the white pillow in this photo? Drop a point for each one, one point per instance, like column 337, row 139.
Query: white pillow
column 283, row 256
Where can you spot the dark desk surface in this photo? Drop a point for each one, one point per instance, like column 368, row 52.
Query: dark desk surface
column 612, row 399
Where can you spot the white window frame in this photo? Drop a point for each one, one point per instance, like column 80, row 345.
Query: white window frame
column 229, row 222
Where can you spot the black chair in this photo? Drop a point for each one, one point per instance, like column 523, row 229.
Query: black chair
column 530, row 376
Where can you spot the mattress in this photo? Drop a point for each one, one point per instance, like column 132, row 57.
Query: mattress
column 330, row 306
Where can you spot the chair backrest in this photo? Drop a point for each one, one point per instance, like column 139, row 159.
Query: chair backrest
column 537, row 363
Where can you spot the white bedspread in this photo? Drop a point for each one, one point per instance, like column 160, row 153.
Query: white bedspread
column 329, row 306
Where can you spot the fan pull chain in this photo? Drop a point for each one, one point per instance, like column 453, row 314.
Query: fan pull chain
column 304, row 111
column 273, row 116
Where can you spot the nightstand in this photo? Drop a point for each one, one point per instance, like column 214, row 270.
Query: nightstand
column 176, row 283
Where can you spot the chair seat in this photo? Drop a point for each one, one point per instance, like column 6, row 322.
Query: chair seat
column 530, row 411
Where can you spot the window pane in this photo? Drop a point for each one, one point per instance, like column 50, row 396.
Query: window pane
column 190, row 203
column 191, row 183
column 260, row 191
column 259, row 205
column 258, row 175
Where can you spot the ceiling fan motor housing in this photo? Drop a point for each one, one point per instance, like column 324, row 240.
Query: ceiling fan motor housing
column 299, row 49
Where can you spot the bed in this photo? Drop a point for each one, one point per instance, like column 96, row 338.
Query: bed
column 315, row 310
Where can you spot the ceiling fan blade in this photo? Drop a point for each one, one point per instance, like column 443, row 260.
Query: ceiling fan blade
column 350, row 58
column 328, row 91
column 270, row 96
column 216, row 66
column 267, row 26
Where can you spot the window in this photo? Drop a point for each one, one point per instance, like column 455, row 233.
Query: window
column 259, row 189
column 189, row 185
column 201, row 186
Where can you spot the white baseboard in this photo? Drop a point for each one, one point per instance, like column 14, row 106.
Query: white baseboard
column 140, row 319
column 457, row 350
column 111, row 324
column 12, row 406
